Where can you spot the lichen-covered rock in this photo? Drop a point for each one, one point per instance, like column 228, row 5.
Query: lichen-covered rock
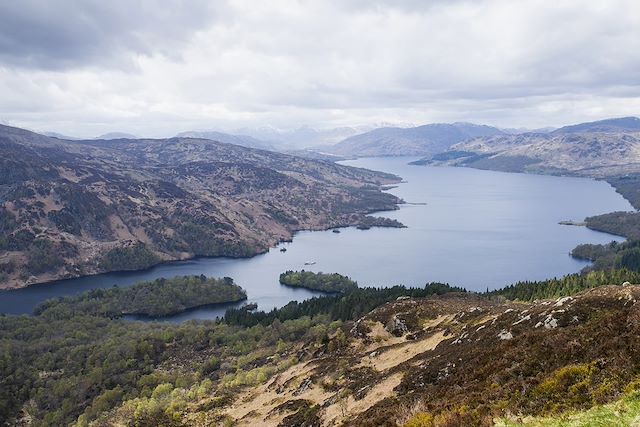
column 396, row 327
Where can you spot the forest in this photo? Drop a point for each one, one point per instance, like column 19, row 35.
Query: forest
column 161, row 297
column 628, row 186
column 625, row 224
column 324, row 282
column 72, row 370
column 567, row 285
column 614, row 255
column 348, row 306
column 134, row 257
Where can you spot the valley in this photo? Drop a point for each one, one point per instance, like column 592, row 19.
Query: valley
column 319, row 213
column 469, row 214
column 509, row 348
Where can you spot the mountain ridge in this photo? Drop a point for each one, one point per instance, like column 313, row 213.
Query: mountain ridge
column 619, row 124
column 420, row 140
column 605, row 148
column 244, row 140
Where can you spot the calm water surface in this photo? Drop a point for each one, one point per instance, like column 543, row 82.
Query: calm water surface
column 478, row 229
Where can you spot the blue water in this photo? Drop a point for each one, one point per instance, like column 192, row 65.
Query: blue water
column 478, row 229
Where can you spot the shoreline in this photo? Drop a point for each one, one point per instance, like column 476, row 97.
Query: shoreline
column 195, row 257
column 140, row 317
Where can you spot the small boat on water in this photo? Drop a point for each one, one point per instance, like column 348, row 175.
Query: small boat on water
column 283, row 250
column 309, row 263
column 335, row 230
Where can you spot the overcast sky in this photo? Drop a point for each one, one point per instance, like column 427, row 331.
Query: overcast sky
column 154, row 68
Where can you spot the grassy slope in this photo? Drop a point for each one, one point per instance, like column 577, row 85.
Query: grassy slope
column 624, row 412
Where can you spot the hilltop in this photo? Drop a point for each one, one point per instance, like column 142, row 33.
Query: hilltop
column 72, row 208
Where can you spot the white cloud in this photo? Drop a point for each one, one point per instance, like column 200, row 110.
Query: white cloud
column 161, row 68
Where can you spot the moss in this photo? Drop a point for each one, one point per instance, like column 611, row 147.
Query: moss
column 624, row 412
column 567, row 386
column 633, row 387
column 420, row 420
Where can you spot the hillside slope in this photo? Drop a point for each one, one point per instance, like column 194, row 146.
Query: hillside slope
column 71, row 208
column 432, row 356
column 451, row 360
column 464, row 358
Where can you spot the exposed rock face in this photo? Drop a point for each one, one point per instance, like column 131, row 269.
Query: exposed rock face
column 69, row 208
column 396, row 327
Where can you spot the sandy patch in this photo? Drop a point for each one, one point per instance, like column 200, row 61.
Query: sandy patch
column 349, row 407
column 253, row 407
column 432, row 323
column 401, row 353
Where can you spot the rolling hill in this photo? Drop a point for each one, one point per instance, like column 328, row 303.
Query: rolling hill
column 72, row 208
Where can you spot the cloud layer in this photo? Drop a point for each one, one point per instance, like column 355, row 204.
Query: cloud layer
column 158, row 67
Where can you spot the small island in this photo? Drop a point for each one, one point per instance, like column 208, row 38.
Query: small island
column 373, row 221
column 323, row 282
column 159, row 298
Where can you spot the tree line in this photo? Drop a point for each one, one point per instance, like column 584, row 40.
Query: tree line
column 324, row 282
column 160, row 297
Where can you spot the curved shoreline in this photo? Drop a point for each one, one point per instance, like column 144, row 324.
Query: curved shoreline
column 196, row 257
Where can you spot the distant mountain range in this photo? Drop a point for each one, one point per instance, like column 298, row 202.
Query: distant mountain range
column 413, row 141
column 425, row 140
column 598, row 149
column 302, row 137
column 243, row 140
column 107, row 136
column 116, row 135
column 622, row 124
column 59, row 136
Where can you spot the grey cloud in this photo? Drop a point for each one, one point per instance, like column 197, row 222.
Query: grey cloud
column 64, row 34
column 201, row 63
